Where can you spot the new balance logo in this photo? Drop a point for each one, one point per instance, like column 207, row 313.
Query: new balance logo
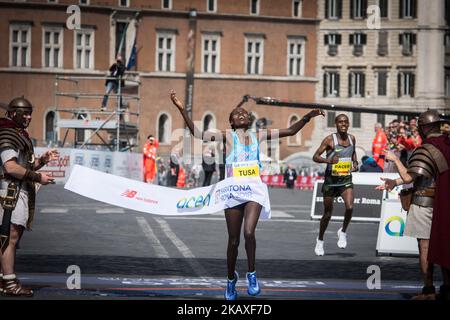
column 129, row 193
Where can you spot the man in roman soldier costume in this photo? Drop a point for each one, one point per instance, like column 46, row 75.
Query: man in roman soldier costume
column 18, row 179
column 429, row 212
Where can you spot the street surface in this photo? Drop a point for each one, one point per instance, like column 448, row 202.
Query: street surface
column 125, row 254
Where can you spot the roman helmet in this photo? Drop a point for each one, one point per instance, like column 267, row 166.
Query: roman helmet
column 426, row 119
column 17, row 110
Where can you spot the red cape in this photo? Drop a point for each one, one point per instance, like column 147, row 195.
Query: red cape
column 8, row 123
column 439, row 250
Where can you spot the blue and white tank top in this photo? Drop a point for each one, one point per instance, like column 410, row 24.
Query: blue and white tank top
column 241, row 153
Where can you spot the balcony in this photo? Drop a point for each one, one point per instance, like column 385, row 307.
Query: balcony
column 358, row 50
column 332, row 50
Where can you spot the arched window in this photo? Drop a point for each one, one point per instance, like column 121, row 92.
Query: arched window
column 209, row 122
column 294, row 140
column 50, row 134
column 164, row 128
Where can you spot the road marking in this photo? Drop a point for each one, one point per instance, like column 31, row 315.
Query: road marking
column 275, row 214
column 184, row 250
column 280, row 214
column 264, row 220
column 160, row 251
column 110, row 210
column 307, row 206
column 54, row 210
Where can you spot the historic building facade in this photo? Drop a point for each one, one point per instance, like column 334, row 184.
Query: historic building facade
column 256, row 47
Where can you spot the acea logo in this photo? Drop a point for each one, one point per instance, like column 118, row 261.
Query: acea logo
column 391, row 223
column 194, row 202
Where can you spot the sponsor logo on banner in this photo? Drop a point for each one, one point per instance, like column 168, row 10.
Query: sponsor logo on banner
column 95, row 161
column 233, row 191
column 194, row 202
column 389, row 229
column 108, row 163
column 55, row 168
column 79, row 159
column 132, row 194
column 129, row 193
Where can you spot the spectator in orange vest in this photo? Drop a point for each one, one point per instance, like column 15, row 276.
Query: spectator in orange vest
column 150, row 151
column 181, row 182
column 378, row 145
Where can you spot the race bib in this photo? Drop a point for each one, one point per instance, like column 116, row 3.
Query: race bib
column 245, row 169
column 342, row 168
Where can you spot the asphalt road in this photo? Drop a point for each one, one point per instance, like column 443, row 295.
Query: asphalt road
column 126, row 254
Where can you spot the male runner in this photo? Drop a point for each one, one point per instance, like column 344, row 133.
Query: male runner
column 341, row 161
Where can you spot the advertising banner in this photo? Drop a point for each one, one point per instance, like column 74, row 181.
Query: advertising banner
column 124, row 164
column 154, row 199
column 390, row 232
column 58, row 169
column 367, row 203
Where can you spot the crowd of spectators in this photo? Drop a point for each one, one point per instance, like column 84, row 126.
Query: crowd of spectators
column 401, row 137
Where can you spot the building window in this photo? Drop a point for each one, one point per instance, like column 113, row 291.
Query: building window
column 294, row 140
column 121, row 38
column 211, row 54
column 356, row 84
column 211, row 5
column 405, row 84
column 84, row 50
column 382, row 77
column 52, row 48
column 124, row 3
column 407, row 40
column 254, row 55
column 86, row 2
column 331, row 84
column 447, row 12
column 382, row 43
column 208, row 122
column 165, row 52
column 52, row 1
column 358, row 40
column 20, row 46
column 447, row 43
column 384, row 8
column 50, row 134
column 358, row 9
column 356, row 119
column 408, row 9
column 164, row 128
column 296, row 57
column 166, row 4
column 331, row 117
column 332, row 41
column 297, row 8
column 447, row 85
column 254, row 7
column 381, row 118
column 333, row 9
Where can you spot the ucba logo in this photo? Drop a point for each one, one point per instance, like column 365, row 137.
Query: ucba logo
column 129, row 193
column 194, row 202
column 388, row 226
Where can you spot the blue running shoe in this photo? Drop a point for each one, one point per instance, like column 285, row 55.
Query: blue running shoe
column 253, row 285
column 231, row 293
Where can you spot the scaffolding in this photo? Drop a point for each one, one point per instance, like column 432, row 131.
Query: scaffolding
column 121, row 124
